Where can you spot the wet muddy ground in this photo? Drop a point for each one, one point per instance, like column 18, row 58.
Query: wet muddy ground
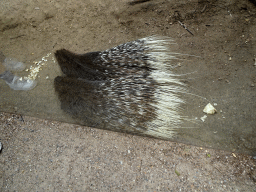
column 40, row 154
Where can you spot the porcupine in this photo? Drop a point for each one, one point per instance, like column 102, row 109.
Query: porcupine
column 129, row 88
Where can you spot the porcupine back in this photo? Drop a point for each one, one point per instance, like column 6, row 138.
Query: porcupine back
column 129, row 88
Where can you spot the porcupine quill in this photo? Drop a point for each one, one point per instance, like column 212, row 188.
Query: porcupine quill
column 129, row 88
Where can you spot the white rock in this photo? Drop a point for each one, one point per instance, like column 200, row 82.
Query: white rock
column 203, row 118
column 209, row 109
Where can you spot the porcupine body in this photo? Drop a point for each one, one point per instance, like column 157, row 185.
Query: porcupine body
column 129, row 88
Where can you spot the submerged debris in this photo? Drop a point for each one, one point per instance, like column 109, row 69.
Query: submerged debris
column 13, row 64
column 34, row 70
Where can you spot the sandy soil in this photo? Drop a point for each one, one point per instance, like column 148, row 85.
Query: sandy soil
column 40, row 155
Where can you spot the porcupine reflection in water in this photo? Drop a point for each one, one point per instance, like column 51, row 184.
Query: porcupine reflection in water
column 128, row 88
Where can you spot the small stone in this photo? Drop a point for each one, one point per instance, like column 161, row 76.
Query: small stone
column 203, row 118
column 209, row 109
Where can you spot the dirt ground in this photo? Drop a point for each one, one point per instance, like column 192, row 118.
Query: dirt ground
column 46, row 155
column 42, row 155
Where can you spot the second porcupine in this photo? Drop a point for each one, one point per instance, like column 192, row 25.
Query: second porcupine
column 129, row 88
